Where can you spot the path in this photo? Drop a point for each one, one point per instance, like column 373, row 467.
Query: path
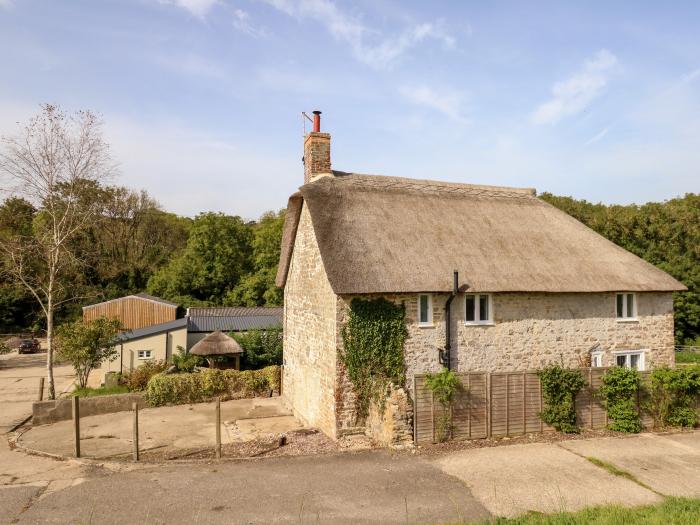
column 19, row 385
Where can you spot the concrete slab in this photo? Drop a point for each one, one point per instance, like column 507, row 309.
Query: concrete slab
column 13, row 499
column 670, row 464
column 19, row 385
column 175, row 427
column 369, row 487
column 541, row 477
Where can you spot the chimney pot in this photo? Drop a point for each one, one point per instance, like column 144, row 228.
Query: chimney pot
column 317, row 121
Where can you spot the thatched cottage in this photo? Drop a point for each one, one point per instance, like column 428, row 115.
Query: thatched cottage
column 534, row 286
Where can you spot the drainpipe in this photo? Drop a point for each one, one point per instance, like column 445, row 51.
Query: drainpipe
column 445, row 354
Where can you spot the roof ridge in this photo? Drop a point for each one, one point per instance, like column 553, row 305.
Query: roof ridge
column 386, row 181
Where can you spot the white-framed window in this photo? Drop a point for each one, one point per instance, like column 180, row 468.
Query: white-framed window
column 145, row 354
column 596, row 359
column 626, row 306
column 425, row 309
column 630, row 359
column 478, row 308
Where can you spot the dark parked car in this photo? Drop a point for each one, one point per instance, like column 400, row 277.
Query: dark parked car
column 28, row 346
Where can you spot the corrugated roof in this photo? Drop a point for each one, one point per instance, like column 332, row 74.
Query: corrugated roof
column 143, row 296
column 233, row 323
column 235, row 311
column 387, row 235
column 153, row 330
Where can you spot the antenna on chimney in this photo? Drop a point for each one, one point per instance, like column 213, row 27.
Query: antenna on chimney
column 316, row 121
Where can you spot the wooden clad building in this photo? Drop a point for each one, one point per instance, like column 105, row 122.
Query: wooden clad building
column 134, row 311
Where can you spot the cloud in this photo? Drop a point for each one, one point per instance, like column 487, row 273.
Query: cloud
column 571, row 96
column 448, row 102
column 368, row 46
column 198, row 8
column 6, row 4
column 242, row 22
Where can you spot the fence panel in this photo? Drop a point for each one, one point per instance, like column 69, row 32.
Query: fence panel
column 508, row 404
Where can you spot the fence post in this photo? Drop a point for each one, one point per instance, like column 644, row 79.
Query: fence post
column 524, row 403
column 469, row 404
column 135, row 409
column 415, row 411
column 590, row 397
column 76, row 425
column 489, row 402
column 432, row 412
column 218, row 428
column 507, row 404
column 41, row 388
column 539, row 393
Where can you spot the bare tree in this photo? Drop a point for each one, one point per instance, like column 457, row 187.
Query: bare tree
column 52, row 164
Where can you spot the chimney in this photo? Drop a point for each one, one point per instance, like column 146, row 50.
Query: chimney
column 317, row 152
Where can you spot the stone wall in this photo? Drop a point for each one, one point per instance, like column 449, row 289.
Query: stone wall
column 392, row 424
column 310, row 333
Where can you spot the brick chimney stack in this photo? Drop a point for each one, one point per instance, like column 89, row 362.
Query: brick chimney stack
column 317, row 152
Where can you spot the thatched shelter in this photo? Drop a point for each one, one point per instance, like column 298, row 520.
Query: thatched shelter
column 218, row 344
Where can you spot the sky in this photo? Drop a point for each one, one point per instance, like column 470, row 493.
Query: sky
column 202, row 99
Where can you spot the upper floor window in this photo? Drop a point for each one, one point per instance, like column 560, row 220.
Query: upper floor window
column 626, row 306
column 478, row 308
column 425, row 309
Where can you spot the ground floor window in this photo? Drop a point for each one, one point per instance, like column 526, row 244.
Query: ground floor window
column 630, row 359
column 145, row 354
column 596, row 359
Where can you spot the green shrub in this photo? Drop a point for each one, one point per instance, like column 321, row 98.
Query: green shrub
column 559, row 389
column 102, row 391
column 175, row 389
column 687, row 357
column 673, row 394
column 619, row 393
column 185, row 362
column 261, row 347
column 4, row 348
column 138, row 378
column 444, row 385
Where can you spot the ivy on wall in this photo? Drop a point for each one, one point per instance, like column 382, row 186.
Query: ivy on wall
column 373, row 341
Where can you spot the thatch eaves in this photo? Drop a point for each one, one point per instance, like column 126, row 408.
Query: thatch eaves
column 391, row 235
column 216, row 343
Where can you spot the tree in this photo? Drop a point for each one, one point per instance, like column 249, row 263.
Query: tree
column 258, row 288
column 50, row 165
column 261, row 347
column 217, row 256
column 86, row 345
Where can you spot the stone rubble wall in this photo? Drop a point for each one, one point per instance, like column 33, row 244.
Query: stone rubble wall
column 392, row 424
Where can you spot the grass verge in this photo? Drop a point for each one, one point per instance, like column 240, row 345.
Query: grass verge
column 672, row 511
column 687, row 357
column 102, row 391
column 617, row 472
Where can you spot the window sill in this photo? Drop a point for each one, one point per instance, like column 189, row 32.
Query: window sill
column 431, row 325
column 484, row 323
column 627, row 320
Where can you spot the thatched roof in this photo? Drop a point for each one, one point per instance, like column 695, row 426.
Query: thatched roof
column 386, row 234
column 216, row 343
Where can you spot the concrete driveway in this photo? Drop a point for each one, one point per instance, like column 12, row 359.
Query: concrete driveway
column 165, row 428
column 19, row 385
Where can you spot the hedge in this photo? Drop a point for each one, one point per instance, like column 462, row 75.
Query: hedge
column 177, row 389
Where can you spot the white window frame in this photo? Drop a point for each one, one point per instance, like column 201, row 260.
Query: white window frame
column 641, row 364
column 429, row 322
column 477, row 312
column 147, row 354
column 597, row 359
column 624, row 317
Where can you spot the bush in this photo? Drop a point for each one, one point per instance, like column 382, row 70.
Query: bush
column 4, row 348
column 559, row 389
column 619, row 392
column 261, row 347
column 673, row 395
column 185, row 362
column 444, row 385
column 102, row 391
column 138, row 378
column 175, row 389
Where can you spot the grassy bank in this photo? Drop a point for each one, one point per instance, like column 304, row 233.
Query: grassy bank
column 673, row 511
column 102, row 391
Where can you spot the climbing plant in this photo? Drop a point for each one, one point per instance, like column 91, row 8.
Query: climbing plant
column 372, row 353
column 559, row 389
column 619, row 392
column 444, row 385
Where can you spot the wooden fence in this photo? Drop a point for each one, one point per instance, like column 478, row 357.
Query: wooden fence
column 504, row 404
